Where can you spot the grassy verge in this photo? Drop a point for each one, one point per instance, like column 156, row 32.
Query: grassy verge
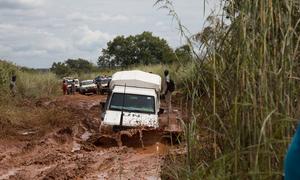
column 38, row 85
column 245, row 93
column 22, row 111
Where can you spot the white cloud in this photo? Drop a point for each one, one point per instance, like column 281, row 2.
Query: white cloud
column 37, row 32
column 20, row 4
column 29, row 13
column 89, row 40
column 77, row 16
column 29, row 39
column 113, row 18
column 5, row 50
column 30, row 53
column 159, row 23
column 52, row 45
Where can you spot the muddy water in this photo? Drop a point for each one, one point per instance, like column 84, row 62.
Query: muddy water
column 69, row 153
column 157, row 148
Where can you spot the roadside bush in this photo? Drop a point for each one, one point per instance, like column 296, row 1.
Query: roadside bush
column 245, row 92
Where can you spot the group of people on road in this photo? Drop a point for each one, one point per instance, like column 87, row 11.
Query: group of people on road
column 67, row 90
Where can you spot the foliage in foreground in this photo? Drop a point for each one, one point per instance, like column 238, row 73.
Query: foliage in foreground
column 245, row 93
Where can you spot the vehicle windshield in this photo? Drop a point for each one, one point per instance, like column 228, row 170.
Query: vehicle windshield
column 105, row 81
column 70, row 81
column 87, row 82
column 132, row 103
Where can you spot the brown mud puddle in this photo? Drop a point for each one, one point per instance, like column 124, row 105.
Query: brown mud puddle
column 69, row 153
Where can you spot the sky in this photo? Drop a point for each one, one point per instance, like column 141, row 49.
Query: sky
column 36, row 33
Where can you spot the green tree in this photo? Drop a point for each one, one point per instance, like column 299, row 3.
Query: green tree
column 139, row 49
column 72, row 66
column 61, row 69
column 184, row 54
column 80, row 65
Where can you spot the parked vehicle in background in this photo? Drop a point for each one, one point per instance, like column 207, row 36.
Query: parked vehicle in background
column 103, row 84
column 88, row 86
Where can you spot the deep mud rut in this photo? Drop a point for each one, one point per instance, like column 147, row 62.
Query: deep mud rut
column 73, row 152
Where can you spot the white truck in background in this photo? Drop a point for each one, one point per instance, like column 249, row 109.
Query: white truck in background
column 134, row 100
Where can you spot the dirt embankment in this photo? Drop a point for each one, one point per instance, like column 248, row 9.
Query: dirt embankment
column 72, row 152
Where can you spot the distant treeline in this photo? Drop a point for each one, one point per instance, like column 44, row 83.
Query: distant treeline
column 141, row 49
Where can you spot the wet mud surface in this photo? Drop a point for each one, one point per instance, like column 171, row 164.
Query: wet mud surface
column 76, row 152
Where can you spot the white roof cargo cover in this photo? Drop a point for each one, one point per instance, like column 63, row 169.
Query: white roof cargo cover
column 136, row 78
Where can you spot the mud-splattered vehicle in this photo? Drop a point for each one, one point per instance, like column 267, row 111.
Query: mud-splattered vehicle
column 134, row 106
column 102, row 84
column 88, row 86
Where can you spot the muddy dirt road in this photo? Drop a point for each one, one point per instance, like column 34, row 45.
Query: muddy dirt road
column 72, row 153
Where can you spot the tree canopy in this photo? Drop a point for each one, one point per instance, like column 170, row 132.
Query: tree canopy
column 184, row 54
column 139, row 49
column 72, row 66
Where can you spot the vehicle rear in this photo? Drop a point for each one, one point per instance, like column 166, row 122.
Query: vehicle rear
column 103, row 84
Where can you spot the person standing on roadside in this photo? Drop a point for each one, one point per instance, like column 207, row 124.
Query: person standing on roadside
column 73, row 88
column 98, row 87
column 12, row 85
column 65, row 87
column 168, row 88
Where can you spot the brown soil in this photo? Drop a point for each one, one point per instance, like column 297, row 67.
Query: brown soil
column 75, row 151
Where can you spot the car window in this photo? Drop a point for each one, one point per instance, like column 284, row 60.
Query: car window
column 87, row 82
column 132, row 103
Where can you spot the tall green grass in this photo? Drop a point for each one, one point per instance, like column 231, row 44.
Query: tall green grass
column 6, row 72
column 29, row 84
column 245, row 93
column 38, row 85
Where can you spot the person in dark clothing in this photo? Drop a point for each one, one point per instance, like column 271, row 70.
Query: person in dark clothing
column 73, row 88
column 12, row 85
column 292, row 158
column 166, row 90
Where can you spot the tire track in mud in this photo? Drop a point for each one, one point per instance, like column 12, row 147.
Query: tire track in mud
column 69, row 153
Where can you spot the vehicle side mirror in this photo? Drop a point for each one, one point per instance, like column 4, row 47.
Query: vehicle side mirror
column 161, row 111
